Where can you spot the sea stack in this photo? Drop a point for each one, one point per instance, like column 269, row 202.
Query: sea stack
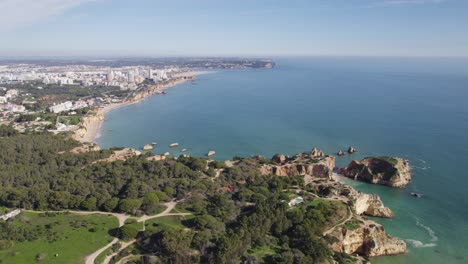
column 340, row 153
column 351, row 150
column 211, row 153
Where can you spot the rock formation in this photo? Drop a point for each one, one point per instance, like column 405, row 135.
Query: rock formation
column 371, row 205
column 87, row 121
column 309, row 164
column 365, row 238
column 351, row 150
column 394, row 172
column 315, row 153
column 279, row 158
column 340, row 153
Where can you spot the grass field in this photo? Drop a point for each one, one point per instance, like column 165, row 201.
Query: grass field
column 68, row 238
column 175, row 222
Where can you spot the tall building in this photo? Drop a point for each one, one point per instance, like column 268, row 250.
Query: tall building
column 110, row 76
column 131, row 77
column 150, row 73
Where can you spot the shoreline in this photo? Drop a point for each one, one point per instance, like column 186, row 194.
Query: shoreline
column 91, row 125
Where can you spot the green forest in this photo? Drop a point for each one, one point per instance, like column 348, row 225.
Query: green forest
column 240, row 216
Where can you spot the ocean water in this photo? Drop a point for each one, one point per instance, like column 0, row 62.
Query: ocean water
column 412, row 108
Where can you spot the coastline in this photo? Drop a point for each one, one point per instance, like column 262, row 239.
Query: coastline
column 91, row 124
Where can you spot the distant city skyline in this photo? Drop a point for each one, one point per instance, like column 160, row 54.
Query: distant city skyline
column 234, row 28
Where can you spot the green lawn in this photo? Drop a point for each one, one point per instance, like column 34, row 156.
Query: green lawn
column 161, row 223
column 68, row 239
column 263, row 251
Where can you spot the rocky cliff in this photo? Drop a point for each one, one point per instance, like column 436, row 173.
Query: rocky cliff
column 390, row 171
column 371, row 205
column 314, row 164
column 88, row 122
column 365, row 238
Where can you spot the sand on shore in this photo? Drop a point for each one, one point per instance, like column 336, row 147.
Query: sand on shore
column 91, row 124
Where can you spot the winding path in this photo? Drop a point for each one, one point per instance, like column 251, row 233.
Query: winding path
column 90, row 259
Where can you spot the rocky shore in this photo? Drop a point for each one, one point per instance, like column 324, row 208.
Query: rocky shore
column 355, row 234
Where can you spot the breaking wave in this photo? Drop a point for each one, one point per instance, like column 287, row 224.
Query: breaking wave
column 419, row 244
column 429, row 230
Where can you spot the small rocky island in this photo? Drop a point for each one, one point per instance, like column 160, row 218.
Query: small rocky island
column 389, row 171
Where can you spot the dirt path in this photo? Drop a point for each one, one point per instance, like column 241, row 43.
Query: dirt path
column 167, row 212
column 124, row 246
column 350, row 215
column 91, row 258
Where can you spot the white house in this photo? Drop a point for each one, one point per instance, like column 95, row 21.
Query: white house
column 296, row 201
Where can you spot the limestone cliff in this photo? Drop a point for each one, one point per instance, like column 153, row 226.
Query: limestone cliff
column 88, row 122
column 371, row 205
column 366, row 239
column 304, row 164
column 390, row 171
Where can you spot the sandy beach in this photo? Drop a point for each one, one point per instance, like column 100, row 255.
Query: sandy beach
column 92, row 123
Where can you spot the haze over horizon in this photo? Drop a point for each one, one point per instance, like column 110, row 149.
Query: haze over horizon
column 242, row 28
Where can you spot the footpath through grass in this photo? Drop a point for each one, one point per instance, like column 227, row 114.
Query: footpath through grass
column 61, row 238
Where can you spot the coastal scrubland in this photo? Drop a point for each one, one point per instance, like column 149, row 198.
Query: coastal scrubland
column 231, row 211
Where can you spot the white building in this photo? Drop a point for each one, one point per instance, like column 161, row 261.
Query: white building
column 11, row 93
column 66, row 106
column 296, row 201
column 110, row 76
column 131, row 77
column 13, row 108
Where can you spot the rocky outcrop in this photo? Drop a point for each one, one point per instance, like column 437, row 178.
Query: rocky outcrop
column 279, row 158
column 340, row 153
column 366, row 239
column 351, row 150
column 311, row 164
column 389, row 171
column 316, row 153
column 371, row 205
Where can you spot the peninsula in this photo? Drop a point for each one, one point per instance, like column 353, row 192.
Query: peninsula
column 181, row 209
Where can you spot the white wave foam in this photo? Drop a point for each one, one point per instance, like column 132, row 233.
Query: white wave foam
column 419, row 244
column 429, row 230
column 421, row 168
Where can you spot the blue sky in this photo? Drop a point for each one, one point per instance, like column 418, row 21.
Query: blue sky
column 234, row 27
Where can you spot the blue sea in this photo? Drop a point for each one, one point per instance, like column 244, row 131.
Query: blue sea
column 415, row 108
